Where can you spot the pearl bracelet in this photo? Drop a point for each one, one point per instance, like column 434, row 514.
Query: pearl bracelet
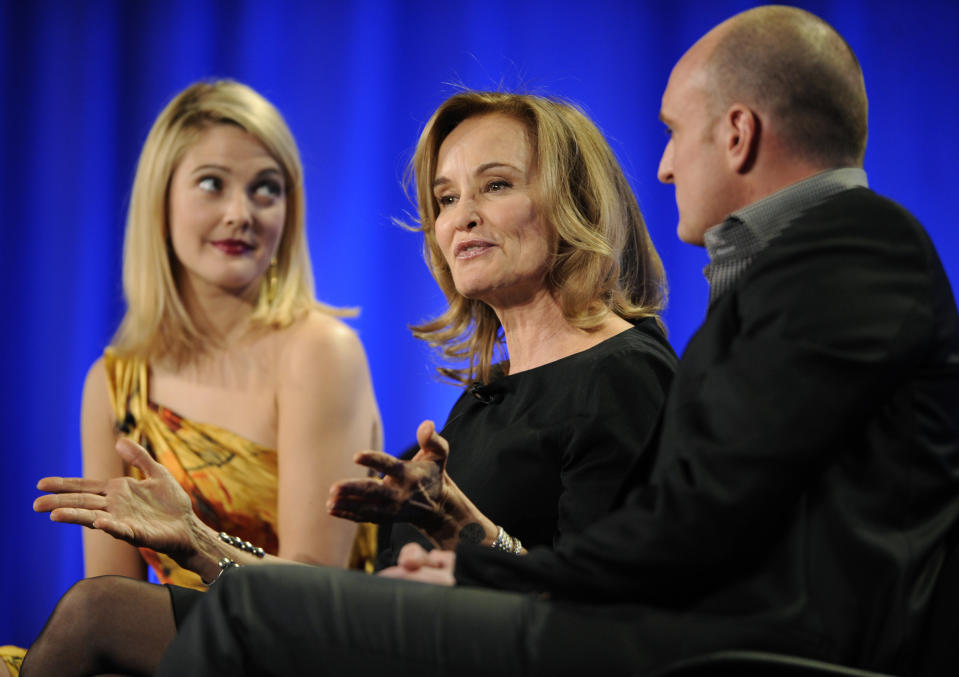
column 238, row 542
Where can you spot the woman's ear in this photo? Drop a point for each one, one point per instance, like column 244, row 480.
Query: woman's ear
column 742, row 128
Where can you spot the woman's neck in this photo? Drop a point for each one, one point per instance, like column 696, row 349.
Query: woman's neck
column 221, row 315
column 537, row 333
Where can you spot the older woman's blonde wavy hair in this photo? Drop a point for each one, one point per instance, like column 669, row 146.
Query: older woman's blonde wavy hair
column 604, row 261
column 156, row 322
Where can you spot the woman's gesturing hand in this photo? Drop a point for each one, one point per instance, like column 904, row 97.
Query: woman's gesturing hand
column 153, row 512
column 415, row 491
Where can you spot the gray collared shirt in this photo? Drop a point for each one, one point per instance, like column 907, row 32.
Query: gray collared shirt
column 734, row 243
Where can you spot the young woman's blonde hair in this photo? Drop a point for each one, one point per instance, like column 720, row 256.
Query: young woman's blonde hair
column 156, row 321
column 604, row 259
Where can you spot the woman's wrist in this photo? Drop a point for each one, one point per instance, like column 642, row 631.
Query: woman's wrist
column 461, row 521
column 205, row 552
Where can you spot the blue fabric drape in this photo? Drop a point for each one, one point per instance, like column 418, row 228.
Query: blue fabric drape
column 81, row 82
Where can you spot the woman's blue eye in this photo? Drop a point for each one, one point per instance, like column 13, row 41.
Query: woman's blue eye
column 446, row 200
column 498, row 185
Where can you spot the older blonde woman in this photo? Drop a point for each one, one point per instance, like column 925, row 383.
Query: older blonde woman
column 554, row 289
column 233, row 379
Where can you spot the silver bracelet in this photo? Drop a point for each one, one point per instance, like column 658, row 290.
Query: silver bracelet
column 506, row 543
column 517, row 546
column 230, row 563
column 224, row 564
column 500, row 542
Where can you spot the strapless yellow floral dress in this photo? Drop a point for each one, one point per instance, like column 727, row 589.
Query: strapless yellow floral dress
column 231, row 480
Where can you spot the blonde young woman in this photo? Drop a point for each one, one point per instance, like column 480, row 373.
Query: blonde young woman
column 224, row 365
column 234, row 380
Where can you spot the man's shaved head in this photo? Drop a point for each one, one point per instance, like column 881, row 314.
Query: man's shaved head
column 795, row 67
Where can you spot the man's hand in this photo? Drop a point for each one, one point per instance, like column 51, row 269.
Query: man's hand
column 416, row 564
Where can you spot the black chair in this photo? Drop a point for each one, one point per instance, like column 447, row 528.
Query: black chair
column 939, row 649
column 740, row 663
column 937, row 656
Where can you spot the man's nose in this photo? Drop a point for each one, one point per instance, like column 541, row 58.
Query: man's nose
column 665, row 171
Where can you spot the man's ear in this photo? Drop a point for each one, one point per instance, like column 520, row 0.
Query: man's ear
column 743, row 130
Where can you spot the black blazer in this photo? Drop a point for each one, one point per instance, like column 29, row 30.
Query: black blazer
column 807, row 469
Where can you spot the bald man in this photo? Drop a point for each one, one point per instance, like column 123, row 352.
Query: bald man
column 807, row 473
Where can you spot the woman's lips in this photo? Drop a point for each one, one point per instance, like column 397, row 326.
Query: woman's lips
column 472, row 248
column 232, row 247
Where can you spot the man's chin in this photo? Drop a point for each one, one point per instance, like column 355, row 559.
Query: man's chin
column 690, row 235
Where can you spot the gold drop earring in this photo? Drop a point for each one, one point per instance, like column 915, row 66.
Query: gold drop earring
column 271, row 281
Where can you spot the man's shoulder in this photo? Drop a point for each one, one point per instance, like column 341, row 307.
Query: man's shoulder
column 853, row 217
column 851, row 246
column 859, row 206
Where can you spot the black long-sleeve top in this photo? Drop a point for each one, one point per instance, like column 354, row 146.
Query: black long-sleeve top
column 544, row 452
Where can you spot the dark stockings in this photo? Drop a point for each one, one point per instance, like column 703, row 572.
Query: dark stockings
column 108, row 624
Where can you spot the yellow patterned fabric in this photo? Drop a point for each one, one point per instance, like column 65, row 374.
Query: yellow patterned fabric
column 231, row 480
column 363, row 553
column 11, row 657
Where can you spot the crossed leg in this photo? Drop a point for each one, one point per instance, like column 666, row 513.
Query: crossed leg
column 108, row 624
column 299, row 620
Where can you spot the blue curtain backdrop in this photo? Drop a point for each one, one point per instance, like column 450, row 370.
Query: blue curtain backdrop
column 81, row 82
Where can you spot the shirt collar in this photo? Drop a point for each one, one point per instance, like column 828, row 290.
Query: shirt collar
column 752, row 227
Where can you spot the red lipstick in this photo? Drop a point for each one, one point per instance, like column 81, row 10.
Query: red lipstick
column 232, row 247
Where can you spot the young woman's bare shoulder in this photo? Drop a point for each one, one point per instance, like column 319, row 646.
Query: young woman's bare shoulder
column 97, row 369
column 95, row 384
column 318, row 342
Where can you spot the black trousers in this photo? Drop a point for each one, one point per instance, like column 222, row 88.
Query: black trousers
column 300, row 620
